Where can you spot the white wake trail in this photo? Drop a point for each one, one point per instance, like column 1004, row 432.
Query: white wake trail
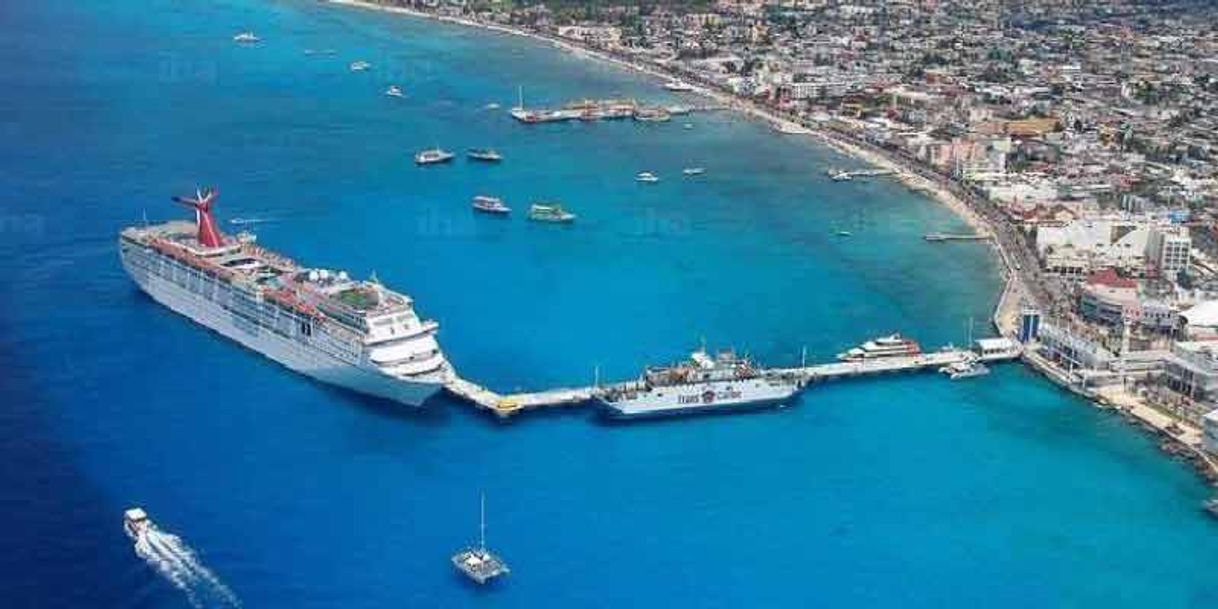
column 179, row 564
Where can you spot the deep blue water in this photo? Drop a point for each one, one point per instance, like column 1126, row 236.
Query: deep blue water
column 898, row 492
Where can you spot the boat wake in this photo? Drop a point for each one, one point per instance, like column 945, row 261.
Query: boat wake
column 175, row 561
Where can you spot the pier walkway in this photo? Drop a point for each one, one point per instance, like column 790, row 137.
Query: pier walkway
column 506, row 405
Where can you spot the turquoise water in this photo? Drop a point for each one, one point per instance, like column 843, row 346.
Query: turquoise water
column 898, row 492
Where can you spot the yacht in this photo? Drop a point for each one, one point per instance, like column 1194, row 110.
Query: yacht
column 487, row 155
column 394, row 91
column 550, row 213
column 647, row 177
column 491, row 205
column 359, row 66
column 136, row 523
column 246, row 38
column 893, row 345
column 694, row 171
column 433, row 156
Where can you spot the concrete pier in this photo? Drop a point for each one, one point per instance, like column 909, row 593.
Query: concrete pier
column 506, row 405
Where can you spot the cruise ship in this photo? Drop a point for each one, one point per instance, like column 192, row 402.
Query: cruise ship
column 893, row 345
column 722, row 383
column 355, row 334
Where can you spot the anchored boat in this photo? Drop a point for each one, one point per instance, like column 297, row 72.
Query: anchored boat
column 490, row 205
column 478, row 563
column 486, row 155
column 550, row 213
column 433, row 156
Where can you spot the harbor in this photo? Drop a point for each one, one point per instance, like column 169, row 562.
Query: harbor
column 510, row 404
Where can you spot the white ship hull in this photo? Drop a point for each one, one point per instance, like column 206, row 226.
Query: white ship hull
column 293, row 354
column 699, row 398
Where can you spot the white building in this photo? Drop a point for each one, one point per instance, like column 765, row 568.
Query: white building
column 1192, row 370
column 1169, row 251
column 1209, row 427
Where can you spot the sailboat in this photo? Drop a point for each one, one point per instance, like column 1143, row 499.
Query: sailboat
column 478, row 563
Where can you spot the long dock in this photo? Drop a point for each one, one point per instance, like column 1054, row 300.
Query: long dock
column 506, row 405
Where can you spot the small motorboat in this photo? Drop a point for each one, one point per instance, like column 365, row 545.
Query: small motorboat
column 550, row 212
column 647, row 177
column 486, row 155
column 491, row 205
column 394, row 91
column 359, row 66
column 694, row 171
column 246, row 38
column 136, row 523
column 433, row 156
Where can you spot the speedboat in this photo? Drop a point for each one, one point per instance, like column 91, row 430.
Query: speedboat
column 647, row 177
column 394, row 91
column 550, row 213
column 487, row 155
column 136, row 523
column 246, row 38
column 359, row 66
column 893, row 345
column 694, row 171
column 491, row 205
column 433, row 156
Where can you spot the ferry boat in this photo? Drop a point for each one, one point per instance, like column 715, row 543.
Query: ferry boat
column 359, row 335
column 722, row 383
column 676, row 85
column 359, row 66
column 893, row 345
column 693, row 171
column 965, row 370
column 490, row 205
column 433, row 156
column 394, row 91
column 550, row 213
column 647, row 177
column 488, row 155
column 136, row 523
column 246, row 38
column 477, row 562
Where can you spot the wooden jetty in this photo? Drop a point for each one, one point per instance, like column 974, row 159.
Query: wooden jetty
column 506, row 405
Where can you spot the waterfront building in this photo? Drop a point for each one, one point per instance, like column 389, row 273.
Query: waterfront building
column 1191, row 369
column 1071, row 351
column 1209, row 426
column 1107, row 298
